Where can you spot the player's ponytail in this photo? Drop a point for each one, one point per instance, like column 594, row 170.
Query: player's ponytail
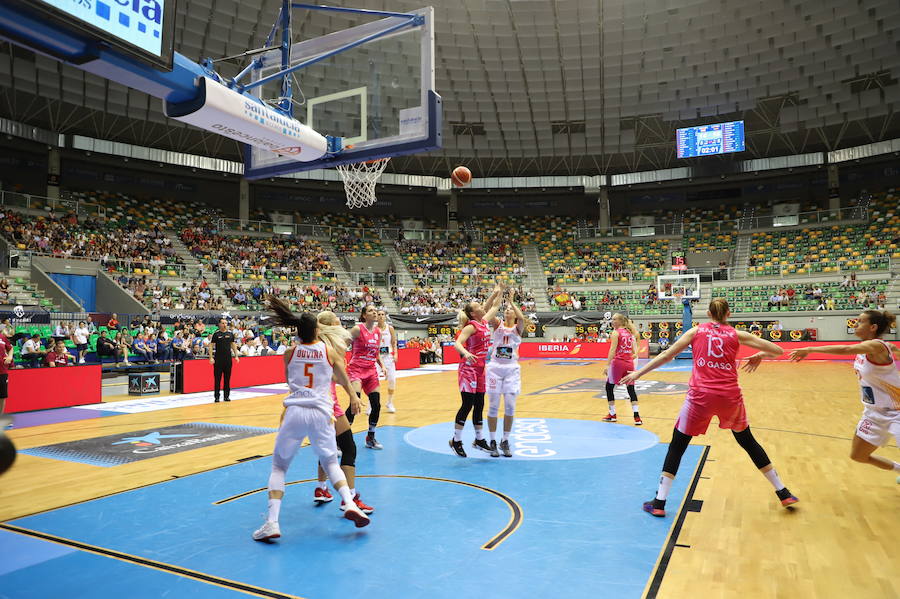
column 305, row 324
column 332, row 333
column 463, row 318
column 718, row 309
column 630, row 326
column 882, row 319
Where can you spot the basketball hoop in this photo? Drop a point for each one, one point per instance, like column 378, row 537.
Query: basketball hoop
column 359, row 181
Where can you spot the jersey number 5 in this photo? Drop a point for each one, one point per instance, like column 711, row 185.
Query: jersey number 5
column 307, row 372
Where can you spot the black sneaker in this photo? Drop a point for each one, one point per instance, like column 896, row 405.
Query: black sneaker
column 504, row 448
column 216, row 400
column 494, row 452
column 481, row 444
column 457, row 446
column 226, row 399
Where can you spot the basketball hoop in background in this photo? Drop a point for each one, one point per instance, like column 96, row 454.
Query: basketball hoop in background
column 359, row 181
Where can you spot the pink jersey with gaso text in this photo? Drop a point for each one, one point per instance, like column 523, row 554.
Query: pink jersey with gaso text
column 715, row 348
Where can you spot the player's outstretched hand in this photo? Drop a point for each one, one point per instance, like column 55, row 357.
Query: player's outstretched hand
column 629, row 378
column 799, row 354
column 752, row 363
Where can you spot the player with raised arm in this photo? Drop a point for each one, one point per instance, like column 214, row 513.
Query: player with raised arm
column 713, row 391
column 472, row 345
column 503, row 374
column 879, row 383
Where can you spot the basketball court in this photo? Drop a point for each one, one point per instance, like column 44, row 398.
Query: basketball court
column 568, row 502
column 158, row 497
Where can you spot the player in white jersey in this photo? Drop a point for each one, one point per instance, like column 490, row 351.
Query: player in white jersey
column 310, row 366
column 503, row 373
column 879, row 383
column 388, row 350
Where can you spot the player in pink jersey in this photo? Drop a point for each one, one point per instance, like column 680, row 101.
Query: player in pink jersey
column 623, row 351
column 713, row 391
column 363, row 367
column 472, row 345
column 336, row 336
column 879, row 384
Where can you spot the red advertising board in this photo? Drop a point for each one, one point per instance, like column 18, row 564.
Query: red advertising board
column 787, row 346
column 42, row 388
column 261, row 370
column 407, row 358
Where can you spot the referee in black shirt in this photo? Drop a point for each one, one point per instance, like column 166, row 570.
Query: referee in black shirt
column 222, row 348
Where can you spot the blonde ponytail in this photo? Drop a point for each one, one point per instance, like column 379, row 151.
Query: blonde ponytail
column 336, row 336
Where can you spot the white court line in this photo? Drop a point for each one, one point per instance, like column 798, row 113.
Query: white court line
column 152, row 404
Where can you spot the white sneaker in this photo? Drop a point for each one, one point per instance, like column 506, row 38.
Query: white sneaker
column 269, row 530
column 390, row 408
column 353, row 513
column 81, row 361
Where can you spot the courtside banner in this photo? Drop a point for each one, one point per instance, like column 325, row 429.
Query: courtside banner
column 42, row 388
column 249, row 372
column 560, row 349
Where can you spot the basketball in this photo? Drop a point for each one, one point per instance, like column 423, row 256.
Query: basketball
column 461, row 176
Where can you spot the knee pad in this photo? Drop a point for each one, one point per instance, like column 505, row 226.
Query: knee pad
column 493, row 405
column 375, row 399
column 749, row 444
column 509, row 404
column 276, row 479
column 347, row 445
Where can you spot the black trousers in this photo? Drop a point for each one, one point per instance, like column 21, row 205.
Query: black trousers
column 222, row 369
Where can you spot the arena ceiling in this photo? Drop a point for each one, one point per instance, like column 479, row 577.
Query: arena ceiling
column 561, row 87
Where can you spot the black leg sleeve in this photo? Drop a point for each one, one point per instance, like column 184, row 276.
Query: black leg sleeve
column 610, row 392
column 477, row 409
column 748, row 442
column 632, row 394
column 375, row 403
column 677, row 447
column 468, row 400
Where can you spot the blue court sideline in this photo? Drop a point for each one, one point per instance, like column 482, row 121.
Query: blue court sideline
column 444, row 527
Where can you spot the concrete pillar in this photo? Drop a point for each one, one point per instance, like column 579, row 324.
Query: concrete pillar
column 53, row 171
column 244, row 200
column 834, row 187
column 603, row 207
column 452, row 200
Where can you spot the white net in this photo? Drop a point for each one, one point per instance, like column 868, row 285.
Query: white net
column 359, row 181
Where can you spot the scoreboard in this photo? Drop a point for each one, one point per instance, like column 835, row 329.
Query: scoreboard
column 707, row 140
column 441, row 329
column 141, row 29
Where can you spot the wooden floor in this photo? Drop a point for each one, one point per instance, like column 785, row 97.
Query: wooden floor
column 841, row 541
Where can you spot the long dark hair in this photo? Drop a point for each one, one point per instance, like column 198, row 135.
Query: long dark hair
column 305, row 323
column 882, row 320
